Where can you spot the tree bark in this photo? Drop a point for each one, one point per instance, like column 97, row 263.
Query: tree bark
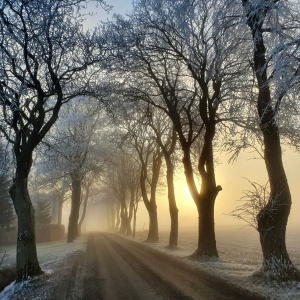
column 151, row 204
column 173, row 239
column 118, row 216
column 27, row 262
column 272, row 219
column 87, row 189
column 205, row 200
column 75, row 206
column 153, row 224
column 134, row 222
column 123, row 226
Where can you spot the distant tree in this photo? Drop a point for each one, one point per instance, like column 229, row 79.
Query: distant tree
column 89, row 190
column 73, row 149
column 150, row 159
column 186, row 66
column 115, row 177
column 7, row 215
column 42, row 212
column 166, row 137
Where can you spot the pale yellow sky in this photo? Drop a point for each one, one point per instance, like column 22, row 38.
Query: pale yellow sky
column 231, row 178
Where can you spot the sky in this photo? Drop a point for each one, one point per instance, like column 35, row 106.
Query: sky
column 96, row 13
column 232, row 177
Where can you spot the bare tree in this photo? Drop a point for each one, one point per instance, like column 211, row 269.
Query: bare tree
column 186, row 67
column 73, row 148
column 166, row 137
column 45, row 61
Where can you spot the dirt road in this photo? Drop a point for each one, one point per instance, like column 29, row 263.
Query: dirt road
column 116, row 268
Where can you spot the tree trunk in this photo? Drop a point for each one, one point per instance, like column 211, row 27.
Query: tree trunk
column 205, row 200
column 153, row 224
column 134, row 222
column 206, row 226
column 84, row 209
column 27, row 262
column 272, row 219
column 60, row 208
column 151, row 205
column 173, row 239
column 113, row 217
column 123, row 221
column 131, row 209
column 75, row 206
column 118, row 216
column 128, row 226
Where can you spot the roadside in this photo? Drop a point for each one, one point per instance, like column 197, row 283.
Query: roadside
column 109, row 266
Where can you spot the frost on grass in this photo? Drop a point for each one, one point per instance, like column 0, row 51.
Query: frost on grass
column 50, row 256
column 275, row 269
column 240, row 257
column 13, row 289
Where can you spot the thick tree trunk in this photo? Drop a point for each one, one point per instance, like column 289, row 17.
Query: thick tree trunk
column 173, row 239
column 27, row 262
column 205, row 200
column 153, row 224
column 206, row 226
column 272, row 219
column 75, row 206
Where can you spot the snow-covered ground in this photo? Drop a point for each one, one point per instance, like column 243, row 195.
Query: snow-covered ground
column 50, row 255
column 239, row 251
column 240, row 256
column 47, row 252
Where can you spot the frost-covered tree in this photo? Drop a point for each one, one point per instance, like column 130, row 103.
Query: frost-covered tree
column 45, row 61
column 73, row 148
column 272, row 23
column 165, row 136
column 120, row 176
column 42, row 212
column 7, row 215
column 150, row 157
column 186, row 57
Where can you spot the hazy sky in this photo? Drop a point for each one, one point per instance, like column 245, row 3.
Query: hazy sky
column 230, row 176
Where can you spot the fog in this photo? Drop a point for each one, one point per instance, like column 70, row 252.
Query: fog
column 149, row 154
column 232, row 178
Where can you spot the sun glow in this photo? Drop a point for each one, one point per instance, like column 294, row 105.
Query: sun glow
column 188, row 193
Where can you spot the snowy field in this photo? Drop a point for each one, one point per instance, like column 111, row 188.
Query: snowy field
column 239, row 252
column 240, row 256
